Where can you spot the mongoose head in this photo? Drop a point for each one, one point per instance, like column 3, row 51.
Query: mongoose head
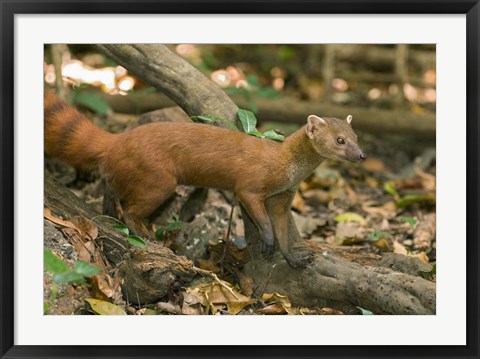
column 334, row 138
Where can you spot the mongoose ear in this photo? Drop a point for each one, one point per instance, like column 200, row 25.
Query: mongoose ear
column 313, row 124
column 349, row 118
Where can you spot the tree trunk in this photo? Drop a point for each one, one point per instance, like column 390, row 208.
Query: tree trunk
column 175, row 77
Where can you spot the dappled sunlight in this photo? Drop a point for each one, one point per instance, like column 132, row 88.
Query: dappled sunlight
column 113, row 80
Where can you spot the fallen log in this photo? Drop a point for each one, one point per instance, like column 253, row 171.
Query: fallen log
column 330, row 280
column 371, row 120
column 289, row 110
column 148, row 274
column 382, row 58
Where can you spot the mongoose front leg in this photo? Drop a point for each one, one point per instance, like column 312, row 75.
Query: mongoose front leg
column 254, row 204
column 286, row 232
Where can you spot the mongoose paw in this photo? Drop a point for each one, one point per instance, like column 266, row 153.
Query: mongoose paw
column 268, row 248
column 300, row 261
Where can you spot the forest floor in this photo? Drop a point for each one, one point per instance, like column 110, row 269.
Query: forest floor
column 361, row 211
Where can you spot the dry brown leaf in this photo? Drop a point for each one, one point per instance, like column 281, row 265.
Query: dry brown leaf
column 84, row 251
column 86, row 226
column 388, row 210
column 383, row 244
column 47, row 213
column 331, row 311
column 213, row 296
column 306, row 224
column 273, row 309
column 245, row 282
column 422, row 256
column 425, row 232
column 298, row 202
column 208, row 264
column 351, row 195
column 316, row 197
column 349, row 233
column 218, row 295
column 371, row 182
column 399, row 248
column 373, row 165
column 428, row 180
column 169, row 307
column 303, row 186
column 276, row 298
column 103, row 286
column 192, row 303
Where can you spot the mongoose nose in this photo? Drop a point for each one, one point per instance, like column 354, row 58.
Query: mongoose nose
column 362, row 156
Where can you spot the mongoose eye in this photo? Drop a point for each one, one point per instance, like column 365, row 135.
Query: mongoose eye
column 340, row 141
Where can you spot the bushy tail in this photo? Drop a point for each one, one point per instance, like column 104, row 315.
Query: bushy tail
column 71, row 136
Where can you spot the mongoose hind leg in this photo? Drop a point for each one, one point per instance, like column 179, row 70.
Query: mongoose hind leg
column 143, row 200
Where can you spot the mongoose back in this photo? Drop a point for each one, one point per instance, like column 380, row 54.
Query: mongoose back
column 143, row 166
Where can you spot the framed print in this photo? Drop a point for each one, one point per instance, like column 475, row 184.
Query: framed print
column 185, row 210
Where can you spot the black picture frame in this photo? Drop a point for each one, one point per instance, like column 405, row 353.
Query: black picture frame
column 10, row 8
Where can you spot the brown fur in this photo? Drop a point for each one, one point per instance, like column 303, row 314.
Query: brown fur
column 143, row 166
column 71, row 136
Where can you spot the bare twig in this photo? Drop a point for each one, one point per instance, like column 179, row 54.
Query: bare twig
column 215, row 278
column 227, row 236
column 56, row 52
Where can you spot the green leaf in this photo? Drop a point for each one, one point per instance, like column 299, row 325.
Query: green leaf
column 272, row 135
column 248, row 120
column 63, row 273
column 410, row 221
column 174, row 225
column 365, row 311
column 377, row 235
column 256, row 134
column 137, row 241
column 105, row 308
column 69, row 277
column 159, row 233
column 122, row 228
column 390, row 189
column 85, row 269
column 150, row 312
column 350, row 217
column 211, row 118
column 430, row 273
column 286, row 53
column 148, row 91
column 252, row 106
column 92, row 102
column 54, row 264
column 252, row 79
column 415, row 198
column 268, row 92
